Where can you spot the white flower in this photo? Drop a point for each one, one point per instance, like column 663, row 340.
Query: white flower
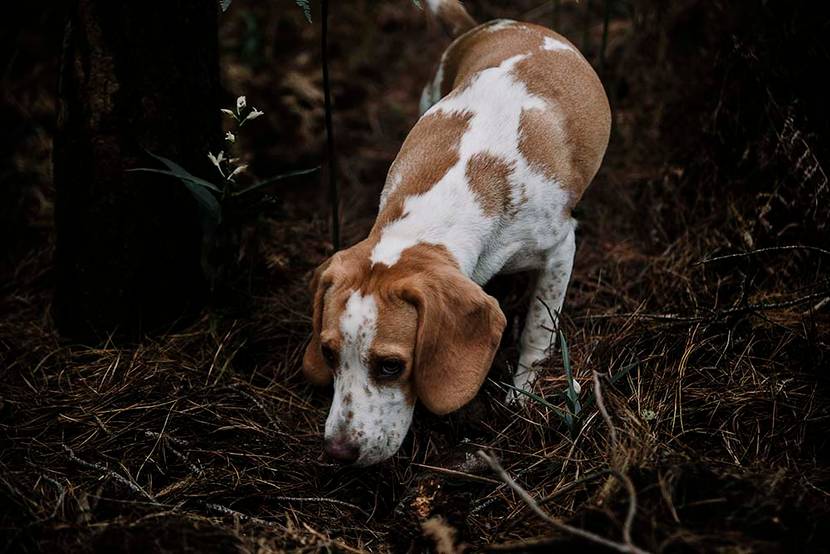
column 217, row 160
column 239, row 169
column 255, row 113
column 230, row 137
column 240, row 104
column 228, row 112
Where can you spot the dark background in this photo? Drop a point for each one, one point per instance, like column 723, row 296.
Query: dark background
column 203, row 436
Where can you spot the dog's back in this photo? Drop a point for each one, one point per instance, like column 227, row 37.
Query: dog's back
column 514, row 116
column 567, row 138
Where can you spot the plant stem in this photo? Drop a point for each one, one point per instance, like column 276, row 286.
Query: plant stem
column 334, row 190
column 606, row 20
column 555, row 12
column 586, row 27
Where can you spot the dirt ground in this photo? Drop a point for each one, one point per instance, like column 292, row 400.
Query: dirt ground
column 699, row 297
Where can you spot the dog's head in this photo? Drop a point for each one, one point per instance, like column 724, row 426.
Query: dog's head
column 388, row 336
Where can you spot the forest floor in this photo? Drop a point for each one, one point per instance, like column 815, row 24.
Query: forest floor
column 206, row 439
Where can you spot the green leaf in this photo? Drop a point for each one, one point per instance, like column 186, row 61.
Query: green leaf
column 625, row 370
column 571, row 394
column 182, row 173
column 306, row 7
column 536, row 398
column 274, row 179
column 182, row 178
column 209, row 206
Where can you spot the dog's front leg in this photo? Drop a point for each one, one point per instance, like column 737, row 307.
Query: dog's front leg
column 543, row 313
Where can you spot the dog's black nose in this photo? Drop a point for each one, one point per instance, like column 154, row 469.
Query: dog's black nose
column 342, row 450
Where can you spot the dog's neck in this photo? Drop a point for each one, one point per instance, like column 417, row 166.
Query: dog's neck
column 439, row 218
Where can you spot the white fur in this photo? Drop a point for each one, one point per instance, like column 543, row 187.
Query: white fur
column 539, row 235
column 538, row 339
column 499, row 24
column 552, row 44
column 449, row 214
column 380, row 415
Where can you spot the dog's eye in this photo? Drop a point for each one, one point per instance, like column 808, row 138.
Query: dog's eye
column 329, row 356
column 389, row 368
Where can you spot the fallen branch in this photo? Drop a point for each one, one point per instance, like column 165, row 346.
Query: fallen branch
column 762, row 250
column 318, row 499
column 458, row 474
column 110, row 473
column 61, row 496
column 632, row 493
column 242, row 517
column 564, row 527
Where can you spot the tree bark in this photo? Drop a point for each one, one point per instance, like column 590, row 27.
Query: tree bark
column 136, row 77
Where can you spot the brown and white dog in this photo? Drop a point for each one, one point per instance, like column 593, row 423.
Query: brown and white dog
column 515, row 124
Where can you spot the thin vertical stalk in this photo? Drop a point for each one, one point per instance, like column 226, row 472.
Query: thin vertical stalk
column 605, row 21
column 555, row 14
column 586, row 27
column 334, row 189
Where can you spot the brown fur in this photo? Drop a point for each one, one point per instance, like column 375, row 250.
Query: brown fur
column 488, row 177
column 314, row 366
column 443, row 325
column 570, row 142
column 429, row 151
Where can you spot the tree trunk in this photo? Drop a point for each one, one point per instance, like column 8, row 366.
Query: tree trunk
column 137, row 77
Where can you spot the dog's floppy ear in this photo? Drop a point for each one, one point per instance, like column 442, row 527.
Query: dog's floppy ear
column 314, row 366
column 459, row 330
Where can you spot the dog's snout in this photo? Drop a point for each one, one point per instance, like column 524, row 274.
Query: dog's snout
column 342, row 450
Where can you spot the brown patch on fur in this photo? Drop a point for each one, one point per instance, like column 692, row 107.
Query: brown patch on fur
column 488, row 177
column 567, row 142
column 315, row 368
column 429, row 151
column 482, row 48
column 539, row 130
column 459, row 328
